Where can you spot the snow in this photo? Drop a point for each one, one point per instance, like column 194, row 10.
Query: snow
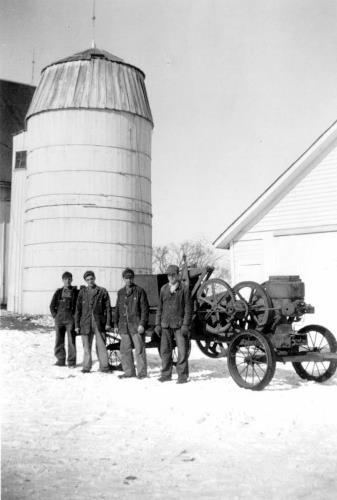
column 92, row 436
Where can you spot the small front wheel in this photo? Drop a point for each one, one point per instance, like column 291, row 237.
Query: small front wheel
column 251, row 360
column 320, row 340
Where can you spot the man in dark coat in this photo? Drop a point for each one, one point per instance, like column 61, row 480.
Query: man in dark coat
column 131, row 316
column 92, row 318
column 62, row 308
column 173, row 321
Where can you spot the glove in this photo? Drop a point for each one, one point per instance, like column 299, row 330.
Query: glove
column 108, row 328
column 157, row 329
column 185, row 331
column 140, row 329
column 77, row 331
column 116, row 330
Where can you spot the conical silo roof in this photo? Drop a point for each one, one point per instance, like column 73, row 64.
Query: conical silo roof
column 92, row 79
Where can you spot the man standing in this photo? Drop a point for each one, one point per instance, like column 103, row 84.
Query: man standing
column 173, row 322
column 131, row 315
column 62, row 308
column 92, row 318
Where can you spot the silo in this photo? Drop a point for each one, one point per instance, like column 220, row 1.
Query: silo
column 88, row 193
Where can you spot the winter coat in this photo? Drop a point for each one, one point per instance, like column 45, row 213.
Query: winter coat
column 63, row 309
column 98, row 305
column 174, row 309
column 131, row 310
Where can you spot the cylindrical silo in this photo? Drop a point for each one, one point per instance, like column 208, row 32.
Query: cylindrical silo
column 88, row 195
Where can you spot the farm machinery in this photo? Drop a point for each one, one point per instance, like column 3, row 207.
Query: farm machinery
column 251, row 324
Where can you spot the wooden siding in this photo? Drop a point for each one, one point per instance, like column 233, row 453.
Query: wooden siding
column 15, row 257
column 312, row 202
column 247, row 260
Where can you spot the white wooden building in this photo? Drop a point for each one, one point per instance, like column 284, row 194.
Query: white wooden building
column 292, row 229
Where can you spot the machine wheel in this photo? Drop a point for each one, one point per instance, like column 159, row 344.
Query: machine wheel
column 216, row 305
column 319, row 340
column 113, row 344
column 259, row 305
column 251, row 360
column 212, row 348
column 175, row 351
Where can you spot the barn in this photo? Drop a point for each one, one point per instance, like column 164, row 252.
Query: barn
column 291, row 229
column 14, row 102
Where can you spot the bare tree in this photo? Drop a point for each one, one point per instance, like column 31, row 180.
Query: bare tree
column 160, row 258
column 198, row 254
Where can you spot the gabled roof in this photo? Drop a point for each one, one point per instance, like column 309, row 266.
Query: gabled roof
column 279, row 188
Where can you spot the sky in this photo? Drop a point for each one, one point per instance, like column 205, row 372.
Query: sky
column 238, row 89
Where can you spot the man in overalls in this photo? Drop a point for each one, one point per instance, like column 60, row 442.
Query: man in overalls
column 131, row 316
column 173, row 322
column 62, row 308
column 92, row 319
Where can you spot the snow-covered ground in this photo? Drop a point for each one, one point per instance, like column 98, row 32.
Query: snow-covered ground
column 92, row 436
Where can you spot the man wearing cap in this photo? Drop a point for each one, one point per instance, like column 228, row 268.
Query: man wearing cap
column 173, row 320
column 62, row 308
column 92, row 318
column 131, row 316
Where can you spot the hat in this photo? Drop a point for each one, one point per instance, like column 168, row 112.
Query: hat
column 88, row 273
column 172, row 269
column 128, row 273
column 67, row 274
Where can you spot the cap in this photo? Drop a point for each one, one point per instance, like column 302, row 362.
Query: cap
column 88, row 273
column 172, row 269
column 128, row 273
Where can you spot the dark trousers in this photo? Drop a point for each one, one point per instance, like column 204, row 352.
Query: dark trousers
column 128, row 341
column 100, row 348
column 168, row 336
column 60, row 352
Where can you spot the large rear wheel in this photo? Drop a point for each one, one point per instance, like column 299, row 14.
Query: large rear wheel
column 320, row 340
column 251, row 360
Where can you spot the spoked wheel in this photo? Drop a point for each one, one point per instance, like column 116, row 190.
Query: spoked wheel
column 212, row 348
column 320, row 340
column 216, row 305
column 251, row 360
column 259, row 305
column 175, row 352
column 113, row 344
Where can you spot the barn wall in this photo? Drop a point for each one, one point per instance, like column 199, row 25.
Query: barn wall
column 15, row 254
column 312, row 203
column 298, row 236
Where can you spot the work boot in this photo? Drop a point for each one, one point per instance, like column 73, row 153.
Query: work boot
column 164, row 379
column 60, row 363
column 126, row 376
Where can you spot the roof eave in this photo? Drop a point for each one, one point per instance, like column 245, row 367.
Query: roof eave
column 278, row 188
